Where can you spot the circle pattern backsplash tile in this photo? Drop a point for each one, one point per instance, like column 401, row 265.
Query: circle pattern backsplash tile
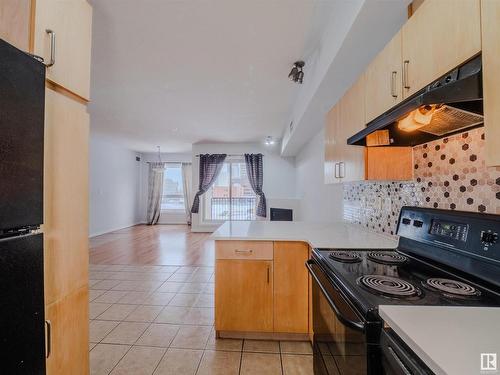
column 449, row 173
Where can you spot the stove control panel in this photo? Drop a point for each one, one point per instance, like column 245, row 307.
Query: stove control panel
column 448, row 229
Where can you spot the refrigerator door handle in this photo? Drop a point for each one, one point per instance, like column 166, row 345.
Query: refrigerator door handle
column 48, row 324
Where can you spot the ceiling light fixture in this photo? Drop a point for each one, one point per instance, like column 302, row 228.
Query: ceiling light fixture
column 296, row 74
column 269, row 141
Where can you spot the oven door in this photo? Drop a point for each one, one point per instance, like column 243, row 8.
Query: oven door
column 340, row 341
column 398, row 359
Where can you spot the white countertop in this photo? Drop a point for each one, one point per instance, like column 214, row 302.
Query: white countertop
column 322, row 235
column 449, row 340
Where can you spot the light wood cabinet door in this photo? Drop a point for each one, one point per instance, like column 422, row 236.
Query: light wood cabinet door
column 441, row 35
column 71, row 21
column 244, row 295
column 490, row 13
column 389, row 163
column 291, row 290
column 383, row 88
column 65, row 196
column 332, row 154
column 15, row 22
column 69, row 334
column 352, row 120
column 343, row 162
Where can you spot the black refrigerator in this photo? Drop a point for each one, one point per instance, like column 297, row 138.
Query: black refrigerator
column 22, row 321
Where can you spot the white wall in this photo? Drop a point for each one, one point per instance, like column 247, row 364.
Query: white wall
column 356, row 34
column 318, row 202
column 279, row 175
column 114, row 185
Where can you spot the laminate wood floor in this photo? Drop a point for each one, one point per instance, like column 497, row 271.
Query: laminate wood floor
column 153, row 245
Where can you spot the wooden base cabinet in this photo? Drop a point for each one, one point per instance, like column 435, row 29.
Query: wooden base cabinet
column 261, row 287
column 291, row 292
column 244, row 295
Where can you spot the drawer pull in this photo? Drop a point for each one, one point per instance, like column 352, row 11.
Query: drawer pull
column 406, row 83
column 52, row 60
column 244, row 252
column 48, row 324
column 394, row 74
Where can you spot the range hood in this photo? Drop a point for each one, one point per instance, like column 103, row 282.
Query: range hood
column 449, row 105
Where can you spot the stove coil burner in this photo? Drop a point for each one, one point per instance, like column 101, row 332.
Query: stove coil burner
column 388, row 286
column 345, row 256
column 386, row 257
column 453, row 287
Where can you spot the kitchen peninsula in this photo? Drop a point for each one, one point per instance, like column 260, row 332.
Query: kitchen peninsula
column 262, row 287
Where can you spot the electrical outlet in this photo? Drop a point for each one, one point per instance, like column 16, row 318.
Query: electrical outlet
column 387, row 204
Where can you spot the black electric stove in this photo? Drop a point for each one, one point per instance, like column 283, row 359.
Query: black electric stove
column 444, row 258
column 413, row 282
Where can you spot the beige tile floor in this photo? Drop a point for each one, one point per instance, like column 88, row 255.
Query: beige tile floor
column 159, row 320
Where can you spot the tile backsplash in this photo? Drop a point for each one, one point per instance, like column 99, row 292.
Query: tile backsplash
column 449, row 173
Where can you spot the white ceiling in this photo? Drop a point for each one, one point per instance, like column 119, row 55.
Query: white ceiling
column 177, row 72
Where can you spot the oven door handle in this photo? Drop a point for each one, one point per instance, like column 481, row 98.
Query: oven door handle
column 358, row 326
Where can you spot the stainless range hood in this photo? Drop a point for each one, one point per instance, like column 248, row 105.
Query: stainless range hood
column 449, row 105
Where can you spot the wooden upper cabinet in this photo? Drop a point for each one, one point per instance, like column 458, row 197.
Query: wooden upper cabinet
column 441, row 35
column 291, row 293
column 71, row 21
column 383, row 88
column 332, row 155
column 490, row 13
column 244, row 295
column 15, row 23
column 389, row 163
column 343, row 162
column 351, row 121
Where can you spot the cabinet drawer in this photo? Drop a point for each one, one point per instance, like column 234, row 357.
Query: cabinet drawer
column 262, row 250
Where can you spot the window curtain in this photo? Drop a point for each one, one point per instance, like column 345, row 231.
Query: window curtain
column 256, row 178
column 210, row 167
column 187, row 182
column 155, row 192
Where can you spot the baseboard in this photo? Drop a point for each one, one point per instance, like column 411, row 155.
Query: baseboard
column 278, row 336
column 92, row 235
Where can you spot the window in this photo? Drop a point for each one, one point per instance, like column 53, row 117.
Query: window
column 173, row 192
column 231, row 197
